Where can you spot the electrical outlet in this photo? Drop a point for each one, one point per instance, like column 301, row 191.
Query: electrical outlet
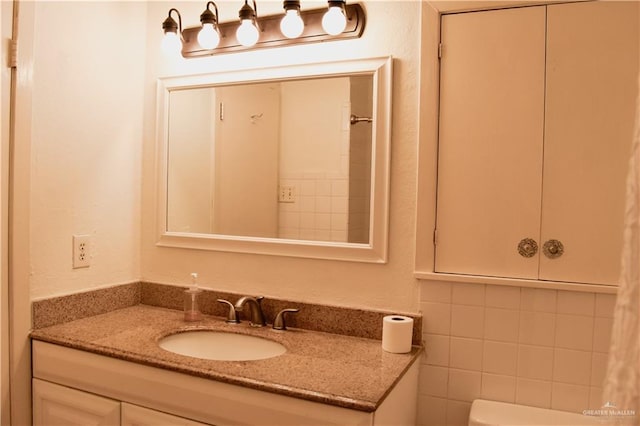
column 286, row 194
column 81, row 251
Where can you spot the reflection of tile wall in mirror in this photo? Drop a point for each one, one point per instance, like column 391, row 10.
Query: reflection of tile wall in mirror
column 319, row 211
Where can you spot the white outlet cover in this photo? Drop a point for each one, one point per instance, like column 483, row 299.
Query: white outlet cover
column 81, row 251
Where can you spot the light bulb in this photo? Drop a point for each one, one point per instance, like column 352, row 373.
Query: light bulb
column 208, row 37
column 291, row 24
column 171, row 43
column 247, row 33
column 334, row 22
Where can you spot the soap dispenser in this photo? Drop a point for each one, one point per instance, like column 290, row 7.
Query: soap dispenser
column 191, row 300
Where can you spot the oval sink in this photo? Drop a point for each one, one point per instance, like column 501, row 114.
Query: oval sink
column 221, row 346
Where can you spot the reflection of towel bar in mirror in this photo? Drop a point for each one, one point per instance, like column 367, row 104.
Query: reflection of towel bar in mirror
column 355, row 119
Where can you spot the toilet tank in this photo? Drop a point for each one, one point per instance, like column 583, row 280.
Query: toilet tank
column 493, row 413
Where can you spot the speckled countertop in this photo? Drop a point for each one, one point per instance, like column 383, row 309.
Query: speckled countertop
column 345, row 371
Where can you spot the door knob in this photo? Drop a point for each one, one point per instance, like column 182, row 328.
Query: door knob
column 527, row 247
column 553, row 249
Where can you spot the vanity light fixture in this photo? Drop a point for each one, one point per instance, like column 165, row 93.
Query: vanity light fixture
column 248, row 32
column 209, row 35
column 172, row 40
column 292, row 24
column 296, row 26
column 334, row 20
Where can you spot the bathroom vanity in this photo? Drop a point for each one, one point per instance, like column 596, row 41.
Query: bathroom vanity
column 109, row 369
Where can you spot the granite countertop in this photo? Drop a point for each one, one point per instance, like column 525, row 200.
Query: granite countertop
column 345, row 371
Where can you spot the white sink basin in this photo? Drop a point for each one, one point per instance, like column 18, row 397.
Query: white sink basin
column 221, row 346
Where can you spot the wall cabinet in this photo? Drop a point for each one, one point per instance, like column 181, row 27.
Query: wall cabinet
column 536, row 121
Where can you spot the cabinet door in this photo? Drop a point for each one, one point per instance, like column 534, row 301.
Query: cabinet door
column 133, row 415
column 55, row 405
column 491, row 135
column 592, row 80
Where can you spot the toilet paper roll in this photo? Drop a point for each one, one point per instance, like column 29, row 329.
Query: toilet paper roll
column 397, row 334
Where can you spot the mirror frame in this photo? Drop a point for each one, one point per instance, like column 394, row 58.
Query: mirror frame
column 376, row 250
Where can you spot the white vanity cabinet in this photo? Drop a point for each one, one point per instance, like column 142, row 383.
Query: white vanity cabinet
column 56, row 405
column 133, row 415
column 72, row 386
column 536, row 121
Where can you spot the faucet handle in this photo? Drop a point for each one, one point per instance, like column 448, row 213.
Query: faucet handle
column 232, row 316
column 279, row 323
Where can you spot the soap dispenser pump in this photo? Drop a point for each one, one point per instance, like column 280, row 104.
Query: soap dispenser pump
column 191, row 300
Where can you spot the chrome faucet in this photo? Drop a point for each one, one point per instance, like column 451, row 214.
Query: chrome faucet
column 232, row 316
column 279, row 323
column 257, row 318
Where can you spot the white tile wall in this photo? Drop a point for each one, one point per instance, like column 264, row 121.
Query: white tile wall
column 539, row 347
column 465, row 353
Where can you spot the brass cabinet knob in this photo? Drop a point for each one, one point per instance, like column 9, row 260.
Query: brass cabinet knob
column 527, row 247
column 553, row 249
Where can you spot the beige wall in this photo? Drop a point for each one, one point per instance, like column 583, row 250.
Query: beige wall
column 86, row 132
column 390, row 31
column 86, row 156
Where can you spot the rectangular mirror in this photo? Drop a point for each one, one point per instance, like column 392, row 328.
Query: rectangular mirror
column 285, row 161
